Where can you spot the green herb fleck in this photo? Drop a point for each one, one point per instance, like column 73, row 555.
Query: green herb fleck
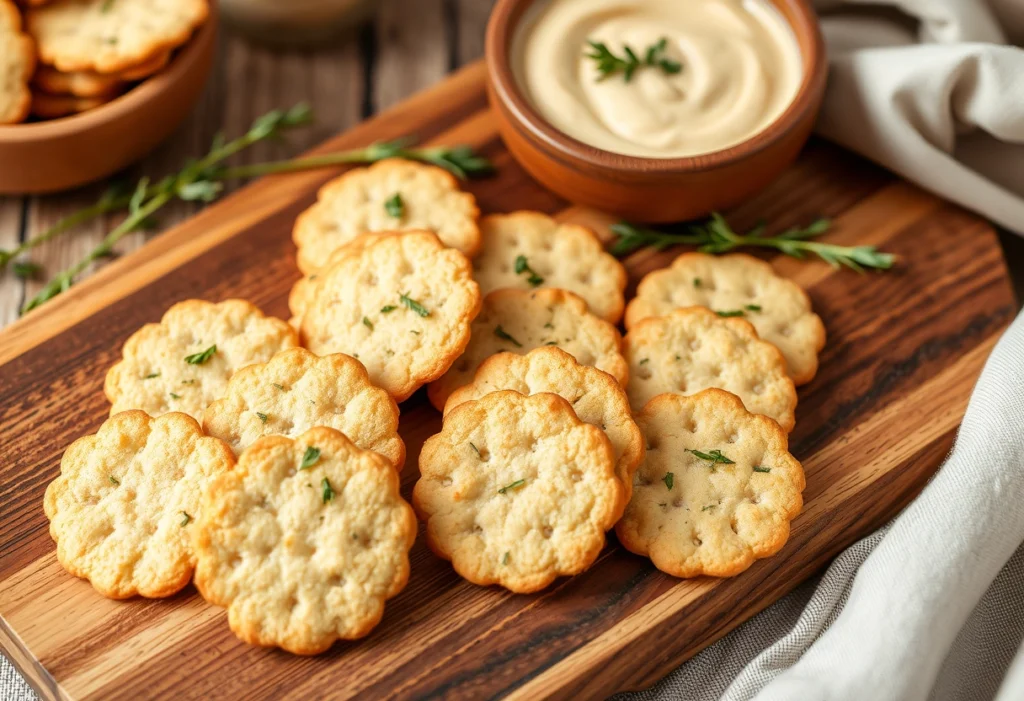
column 309, row 458
column 394, row 206
column 644, row 361
column 185, row 521
column 753, row 307
column 414, row 305
column 328, row 492
column 549, row 325
column 114, row 481
column 523, row 266
column 388, row 308
column 263, row 417
column 175, row 396
column 367, row 323
column 26, row 270
column 730, row 313
column 477, row 451
column 759, row 468
column 200, row 358
column 709, row 507
column 712, row 456
column 515, row 485
column 669, row 479
column 504, row 559
column 151, row 375
column 504, row 335
column 280, row 387
column 609, row 64
column 696, row 282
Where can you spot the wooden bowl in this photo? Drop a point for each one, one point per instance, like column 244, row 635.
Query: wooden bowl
column 63, row 153
column 652, row 189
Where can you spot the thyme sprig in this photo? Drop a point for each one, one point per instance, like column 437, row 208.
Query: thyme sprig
column 608, row 64
column 716, row 236
column 202, row 180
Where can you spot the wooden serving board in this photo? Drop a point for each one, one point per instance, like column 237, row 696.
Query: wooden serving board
column 904, row 350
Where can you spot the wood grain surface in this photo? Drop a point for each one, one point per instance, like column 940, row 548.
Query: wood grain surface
column 904, row 350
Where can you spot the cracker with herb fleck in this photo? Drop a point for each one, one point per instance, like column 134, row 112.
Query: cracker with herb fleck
column 692, row 349
column 391, row 195
column 527, row 250
column 517, row 321
column 738, row 285
column 517, row 490
column 111, row 36
column 126, row 501
column 595, row 396
column 17, row 61
column 304, row 541
column 298, row 390
column 717, row 489
column 402, row 305
column 304, row 289
column 184, row 362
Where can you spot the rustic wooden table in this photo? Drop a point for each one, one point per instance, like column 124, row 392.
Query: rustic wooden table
column 410, row 45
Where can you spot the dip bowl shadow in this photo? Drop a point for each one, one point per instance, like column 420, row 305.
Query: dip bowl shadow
column 651, row 189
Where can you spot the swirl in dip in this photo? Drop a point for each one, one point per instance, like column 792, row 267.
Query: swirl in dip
column 738, row 68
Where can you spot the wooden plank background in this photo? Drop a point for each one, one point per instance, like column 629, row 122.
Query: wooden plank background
column 410, row 45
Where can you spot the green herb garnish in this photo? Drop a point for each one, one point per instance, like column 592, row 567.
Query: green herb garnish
column 328, row 493
column 476, row 450
column 669, row 479
column 716, row 236
column 504, row 558
column 414, row 305
column 114, row 481
column 644, row 361
column 202, row 357
column 26, row 270
column 263, row 417
column 504, row 335
column 759, row 468
column 201, row 179
column 712, row 456
column 522, row 266
column 309, row 458
column 151, row 375
column 696, row 282
column 394, row 206
column 388, row 308
column 753, row 307
column 185, row 521
column 280, row 387
column 175, row 396
column 731, row 313
column 367, row 323
column 515, row 485
column 608, row 64
column 709, row 507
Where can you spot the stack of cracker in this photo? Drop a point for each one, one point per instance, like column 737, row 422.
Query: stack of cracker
column 251, row 447
column 63, row 57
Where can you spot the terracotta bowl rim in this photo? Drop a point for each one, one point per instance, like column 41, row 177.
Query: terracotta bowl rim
column 181, row 65
column 497, row 53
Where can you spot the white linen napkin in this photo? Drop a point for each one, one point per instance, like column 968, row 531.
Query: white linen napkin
column 932, row 606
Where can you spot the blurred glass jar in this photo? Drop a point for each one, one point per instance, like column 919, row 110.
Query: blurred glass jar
column 295, row 22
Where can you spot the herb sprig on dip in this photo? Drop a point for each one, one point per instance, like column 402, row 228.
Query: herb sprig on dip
column 608, row 64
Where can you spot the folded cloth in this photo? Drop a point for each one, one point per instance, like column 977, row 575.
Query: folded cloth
column 932, row 605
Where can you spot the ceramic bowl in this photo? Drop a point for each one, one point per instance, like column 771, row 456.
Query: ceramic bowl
column 651, row 189
column 58, row 154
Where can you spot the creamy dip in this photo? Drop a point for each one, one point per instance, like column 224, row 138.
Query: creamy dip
column 740, row 69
